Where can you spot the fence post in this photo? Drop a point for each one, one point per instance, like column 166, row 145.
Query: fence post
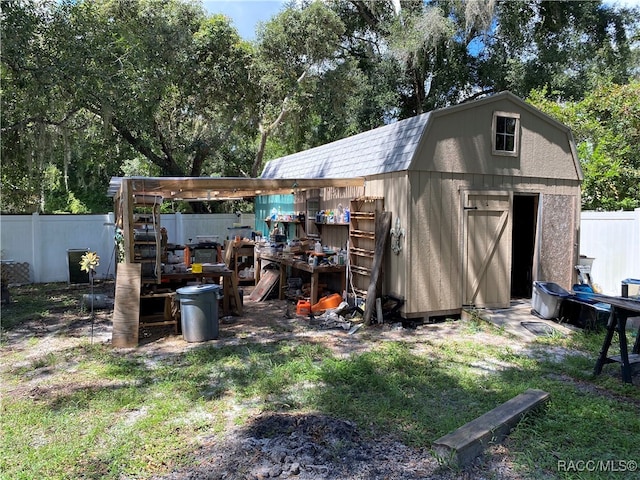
column 635, row 252
column 179, row 228
column 36, row 235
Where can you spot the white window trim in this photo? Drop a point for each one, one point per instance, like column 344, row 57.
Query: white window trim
column 494, row 124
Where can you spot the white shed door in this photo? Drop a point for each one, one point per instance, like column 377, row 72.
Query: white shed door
column 487, row 248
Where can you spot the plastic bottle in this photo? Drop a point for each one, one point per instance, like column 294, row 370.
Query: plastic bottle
column 318, row 247
column 347, row 215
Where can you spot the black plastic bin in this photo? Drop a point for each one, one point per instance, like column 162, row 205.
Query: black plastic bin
column 199, row 312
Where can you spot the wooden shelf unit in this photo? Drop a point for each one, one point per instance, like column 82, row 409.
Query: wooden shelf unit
column 362, row 240
column 320, row 226
column 234, row 252
column 145, row 239
column 299, row 227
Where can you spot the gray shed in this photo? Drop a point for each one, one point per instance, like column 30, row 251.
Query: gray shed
column 486, row 193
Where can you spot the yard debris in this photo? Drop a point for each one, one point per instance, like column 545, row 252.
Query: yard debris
column 355, row 328
column 342, row 317
column 387, row 309
column 330, row 319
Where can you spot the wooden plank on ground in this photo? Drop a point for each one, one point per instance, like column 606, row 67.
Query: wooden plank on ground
column 461, row 446
column 267, row 281
column 383, row 226
column 126, row 308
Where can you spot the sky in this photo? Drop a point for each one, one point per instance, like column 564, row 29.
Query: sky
column 246, row 14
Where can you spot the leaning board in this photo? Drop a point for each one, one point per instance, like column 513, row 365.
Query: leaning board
column 267, row 281
column 126, row 309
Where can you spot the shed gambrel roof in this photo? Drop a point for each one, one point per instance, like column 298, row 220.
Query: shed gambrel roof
column 385, row 149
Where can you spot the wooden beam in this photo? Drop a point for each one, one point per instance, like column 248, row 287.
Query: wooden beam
column 462, row 446
column 126, row 308
column 208, row 188
column 127, row 222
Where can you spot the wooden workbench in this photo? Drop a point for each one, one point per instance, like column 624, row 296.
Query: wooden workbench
column 621, row 309
column 315, row 271
column 229, row 286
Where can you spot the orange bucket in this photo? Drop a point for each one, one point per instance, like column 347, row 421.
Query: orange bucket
column 327, row 303
column 303, row 307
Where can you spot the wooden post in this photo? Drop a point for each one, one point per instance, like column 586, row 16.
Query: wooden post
column 383, row 226
column 126, row 309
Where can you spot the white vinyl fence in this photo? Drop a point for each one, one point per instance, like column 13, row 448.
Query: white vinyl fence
column 613, row 240
column 43, row 242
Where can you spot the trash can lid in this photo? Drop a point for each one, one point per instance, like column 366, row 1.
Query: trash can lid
column 197, row 289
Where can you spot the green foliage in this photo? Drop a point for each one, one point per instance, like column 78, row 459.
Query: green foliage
column 296, row 49
column 102, row 88
column 606, row 127
column 565, row 45
column 90, row 85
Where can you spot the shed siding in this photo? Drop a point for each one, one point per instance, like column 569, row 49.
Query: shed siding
column 460, row 141
column 393, row 188
column 431, row 279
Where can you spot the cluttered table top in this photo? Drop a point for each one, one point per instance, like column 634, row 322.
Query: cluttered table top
column 301, row 263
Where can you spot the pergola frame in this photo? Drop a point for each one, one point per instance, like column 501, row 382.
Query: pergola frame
column 220, row 188
column 123, row 190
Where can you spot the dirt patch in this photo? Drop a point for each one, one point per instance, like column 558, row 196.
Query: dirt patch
column 315, row 446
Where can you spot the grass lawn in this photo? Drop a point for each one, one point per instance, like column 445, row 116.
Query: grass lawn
column 91, row 411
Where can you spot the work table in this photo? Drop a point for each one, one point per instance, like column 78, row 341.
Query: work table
column 299, row 264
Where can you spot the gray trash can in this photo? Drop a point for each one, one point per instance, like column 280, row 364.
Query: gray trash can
column 199, row 312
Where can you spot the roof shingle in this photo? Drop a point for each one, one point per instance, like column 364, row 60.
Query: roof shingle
column 390, row 148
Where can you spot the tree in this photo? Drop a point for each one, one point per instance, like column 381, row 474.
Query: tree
column 157, row 79
column 297, row 44
column 356, row 90
column 453, row 50
column 565, row 45
column 93, row 89
column 606, row 127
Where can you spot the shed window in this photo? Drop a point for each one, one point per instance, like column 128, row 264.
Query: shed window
column 505, row 133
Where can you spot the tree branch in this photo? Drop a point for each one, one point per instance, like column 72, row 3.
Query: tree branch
column 167, row 164
column 481, row 93
column 23, row 123
column 365, row 13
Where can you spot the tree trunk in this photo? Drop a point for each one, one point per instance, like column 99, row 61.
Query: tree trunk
column 257, row 164
column 266, row 131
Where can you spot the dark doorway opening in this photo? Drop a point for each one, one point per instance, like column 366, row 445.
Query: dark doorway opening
column 525, row 214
